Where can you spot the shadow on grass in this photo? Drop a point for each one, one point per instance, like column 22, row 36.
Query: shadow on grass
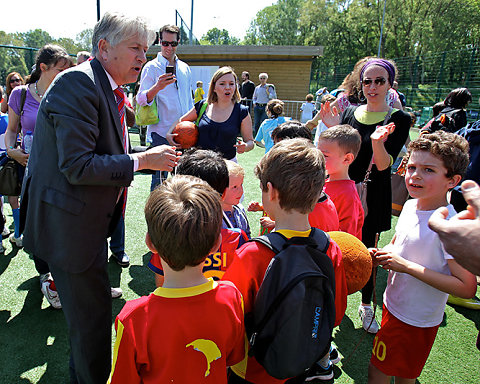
column 35, row 337
column 143, row 279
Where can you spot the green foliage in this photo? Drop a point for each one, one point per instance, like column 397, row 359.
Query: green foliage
column 21, row 60
column 216, row 36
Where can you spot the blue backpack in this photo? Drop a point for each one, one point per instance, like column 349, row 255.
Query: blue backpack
column 290, row 327
column 471, row 133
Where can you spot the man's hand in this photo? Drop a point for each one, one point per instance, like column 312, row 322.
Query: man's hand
column 161, row 158
column 162, row 82
column 461, row 234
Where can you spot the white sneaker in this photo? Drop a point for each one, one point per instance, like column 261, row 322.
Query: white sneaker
column 116, row 292
column 5, row 232
column 18, row 241
column 368, row 321
column 49, row 290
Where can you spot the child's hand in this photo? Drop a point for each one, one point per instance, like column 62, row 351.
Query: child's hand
column 241, row 146
column 266, row 222
column 329, row 115
column 382, row 132
column 254, row 206
column 391, row 261
column 373, row 254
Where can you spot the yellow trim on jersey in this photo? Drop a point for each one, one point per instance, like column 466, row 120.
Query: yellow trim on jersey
column 366, row 117
column 115, row 348
column 289, row 233
column 175, row 293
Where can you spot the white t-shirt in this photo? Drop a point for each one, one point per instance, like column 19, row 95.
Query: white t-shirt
column 407, row 298
column 307, row 112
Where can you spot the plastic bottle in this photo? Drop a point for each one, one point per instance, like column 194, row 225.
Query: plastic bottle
column 28, row 141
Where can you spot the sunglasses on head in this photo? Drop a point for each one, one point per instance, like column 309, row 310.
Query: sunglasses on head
column 171, row 43
column 377, row 81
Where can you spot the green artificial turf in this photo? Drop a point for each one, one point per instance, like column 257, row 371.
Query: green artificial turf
column 33, row 336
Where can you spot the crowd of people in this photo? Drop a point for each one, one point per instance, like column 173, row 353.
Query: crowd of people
column 68, row 132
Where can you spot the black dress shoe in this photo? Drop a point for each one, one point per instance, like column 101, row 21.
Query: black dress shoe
column 121, row 259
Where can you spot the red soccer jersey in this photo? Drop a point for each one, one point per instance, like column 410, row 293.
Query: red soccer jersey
column 216, row 263
column 247, row 272
column 349, row 207
column 324, row 216
column 184, row 335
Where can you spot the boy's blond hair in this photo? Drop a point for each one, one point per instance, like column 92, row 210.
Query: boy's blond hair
column 184, row 218
column 452, row 149
column 296, row 170
column 346, row 137
column 234, row 169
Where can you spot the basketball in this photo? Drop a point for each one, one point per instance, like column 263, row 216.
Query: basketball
column 356, row 260
column 187, row 134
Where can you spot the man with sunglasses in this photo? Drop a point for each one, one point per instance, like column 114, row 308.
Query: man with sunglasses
column 172, row 92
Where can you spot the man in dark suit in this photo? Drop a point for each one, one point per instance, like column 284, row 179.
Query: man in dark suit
column 73, row 191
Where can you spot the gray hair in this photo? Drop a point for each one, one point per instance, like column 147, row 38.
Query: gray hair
column 116, row 27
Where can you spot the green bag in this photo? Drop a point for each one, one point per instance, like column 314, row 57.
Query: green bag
column 146, row 115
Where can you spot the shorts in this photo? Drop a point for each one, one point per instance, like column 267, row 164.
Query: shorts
column 400, row 349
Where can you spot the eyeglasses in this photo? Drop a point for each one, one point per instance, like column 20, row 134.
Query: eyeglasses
column 377, row 81
column 171, row 43
column 15, row 81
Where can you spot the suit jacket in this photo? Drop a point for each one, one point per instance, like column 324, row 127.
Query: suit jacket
column 76, row 170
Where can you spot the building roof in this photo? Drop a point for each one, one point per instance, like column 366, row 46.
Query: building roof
column 246, row 51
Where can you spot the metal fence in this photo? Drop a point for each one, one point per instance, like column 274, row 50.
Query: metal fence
column 424, row 79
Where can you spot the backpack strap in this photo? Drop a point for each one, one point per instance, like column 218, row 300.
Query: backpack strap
column 23, row 97
column 276, row 241
column 201, row 112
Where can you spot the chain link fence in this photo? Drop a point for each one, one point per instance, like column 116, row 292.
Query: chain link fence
column 424, row 79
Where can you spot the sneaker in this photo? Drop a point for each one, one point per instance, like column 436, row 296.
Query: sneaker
column 5, row 232
column 116, row 292
column 368, row 321
column 121, row 259
column 334, row 355
column 317, row 372
column 49, row 290
column 473, row 303
column 18, row 241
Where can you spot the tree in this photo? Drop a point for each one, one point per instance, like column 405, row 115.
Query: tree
column 216, row 36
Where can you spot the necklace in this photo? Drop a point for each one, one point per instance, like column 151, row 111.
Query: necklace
column 40, row 95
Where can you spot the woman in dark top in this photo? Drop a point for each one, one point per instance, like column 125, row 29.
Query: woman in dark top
column 382, row 141
column 223, row 119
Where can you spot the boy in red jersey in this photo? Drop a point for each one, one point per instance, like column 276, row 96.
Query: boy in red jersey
column 291, row 176
column 191, row 329
column 340, row 145
column 324, row 215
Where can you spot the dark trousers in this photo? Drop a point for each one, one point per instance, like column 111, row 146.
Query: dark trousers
column 259, row 114
column 368, row 238
column 87, row 306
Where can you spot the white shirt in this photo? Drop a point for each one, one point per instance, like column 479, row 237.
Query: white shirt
column 407, row 298
column 174, row 100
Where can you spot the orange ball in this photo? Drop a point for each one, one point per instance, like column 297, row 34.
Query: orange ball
column 187, row 134
column 356, row 260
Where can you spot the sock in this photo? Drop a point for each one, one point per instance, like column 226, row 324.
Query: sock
column 16, row 221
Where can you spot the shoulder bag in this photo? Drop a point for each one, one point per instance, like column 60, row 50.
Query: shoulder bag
column 362, row 186
column 146, row 115
column 10, row 184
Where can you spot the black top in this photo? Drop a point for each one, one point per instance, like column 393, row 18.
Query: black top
column 246, row 89
column 220, row 137
column 379, row 191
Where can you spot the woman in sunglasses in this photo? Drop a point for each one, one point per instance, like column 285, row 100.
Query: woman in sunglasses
column 384, row 131
column 13, row 80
